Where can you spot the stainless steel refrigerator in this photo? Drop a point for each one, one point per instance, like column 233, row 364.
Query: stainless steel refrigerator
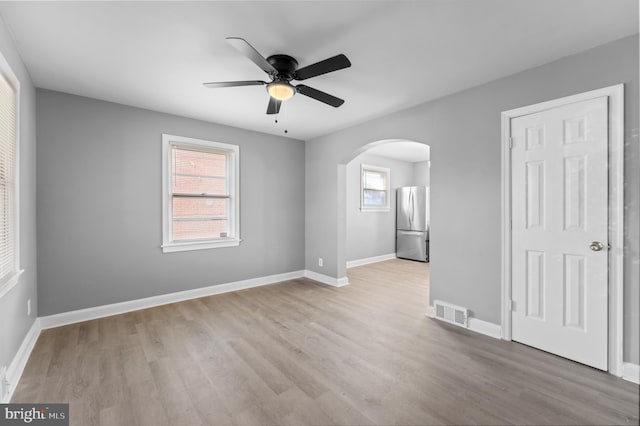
column 412, row 223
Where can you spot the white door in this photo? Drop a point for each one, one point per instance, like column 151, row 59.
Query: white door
column 559, row 231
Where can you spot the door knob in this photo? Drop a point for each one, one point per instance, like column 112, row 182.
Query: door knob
column 596, row 246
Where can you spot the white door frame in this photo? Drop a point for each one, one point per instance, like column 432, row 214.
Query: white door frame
column 616, row 211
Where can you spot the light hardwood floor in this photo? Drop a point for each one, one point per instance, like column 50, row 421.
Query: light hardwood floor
column 299, row 353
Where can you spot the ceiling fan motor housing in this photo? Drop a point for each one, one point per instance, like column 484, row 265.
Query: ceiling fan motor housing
column 284, row 64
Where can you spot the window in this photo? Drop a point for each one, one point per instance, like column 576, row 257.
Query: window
column 9, row 270
column 374, row 186
column 200, row 194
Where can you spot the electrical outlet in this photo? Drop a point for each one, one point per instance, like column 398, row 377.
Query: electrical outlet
column 320, row 262
column 29, row 307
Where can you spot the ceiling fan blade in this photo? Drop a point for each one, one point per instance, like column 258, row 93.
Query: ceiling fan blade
column 274, row 106
column 335, row 63
column 319, row 96
column 250, row 52
column 234, row 84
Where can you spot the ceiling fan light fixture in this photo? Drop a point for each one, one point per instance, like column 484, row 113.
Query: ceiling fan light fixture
column 281, row 90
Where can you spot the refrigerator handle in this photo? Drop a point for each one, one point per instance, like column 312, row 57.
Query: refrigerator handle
column 412, row 209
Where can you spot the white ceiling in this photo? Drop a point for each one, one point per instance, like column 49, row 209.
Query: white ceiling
column 155, row 55
column 411, row 152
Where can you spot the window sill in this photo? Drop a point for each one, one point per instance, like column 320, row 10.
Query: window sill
column 383, row 209
column 199, row 245
column 10, row 282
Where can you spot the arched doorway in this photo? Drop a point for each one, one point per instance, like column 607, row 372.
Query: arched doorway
column 369, row 225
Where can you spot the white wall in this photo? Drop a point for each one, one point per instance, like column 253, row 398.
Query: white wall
column 421, row 173
column 463, row 132
column 369, row 233
column 100, row 205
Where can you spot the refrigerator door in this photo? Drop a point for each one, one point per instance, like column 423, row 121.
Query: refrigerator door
column 418, row 206
column 403, row 208
column 411, row 245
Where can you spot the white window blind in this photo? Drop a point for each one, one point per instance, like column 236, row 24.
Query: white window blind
column 8, row 222
column 375, row 188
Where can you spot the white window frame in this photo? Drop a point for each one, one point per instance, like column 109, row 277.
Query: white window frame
column 387, row 171
column 12, row 280
column 233, row 181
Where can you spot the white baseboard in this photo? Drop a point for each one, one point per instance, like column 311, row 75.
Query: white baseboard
column 16, row 368
column 87, row 314
column 631, row 372
column 484, row 327
column 368, row 260
column 474, row 324
column 325, row 279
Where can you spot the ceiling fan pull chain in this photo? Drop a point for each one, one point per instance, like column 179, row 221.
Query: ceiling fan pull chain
column 284, row 112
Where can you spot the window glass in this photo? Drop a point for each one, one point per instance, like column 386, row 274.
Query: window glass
column 375, row 180
column 374, row 189
column 197, row 172
column 201, row 194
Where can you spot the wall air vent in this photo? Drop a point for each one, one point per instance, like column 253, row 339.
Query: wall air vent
column 451, row 313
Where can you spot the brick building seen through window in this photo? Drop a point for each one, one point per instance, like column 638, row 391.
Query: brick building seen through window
column 199, row 187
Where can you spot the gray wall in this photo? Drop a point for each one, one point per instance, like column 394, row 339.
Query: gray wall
column 463, row 132
column 373, row 233
column 421, row 173
column 14, row 322
column 99, row 205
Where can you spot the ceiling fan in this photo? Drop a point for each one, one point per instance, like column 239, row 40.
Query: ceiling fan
column 282, row 69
